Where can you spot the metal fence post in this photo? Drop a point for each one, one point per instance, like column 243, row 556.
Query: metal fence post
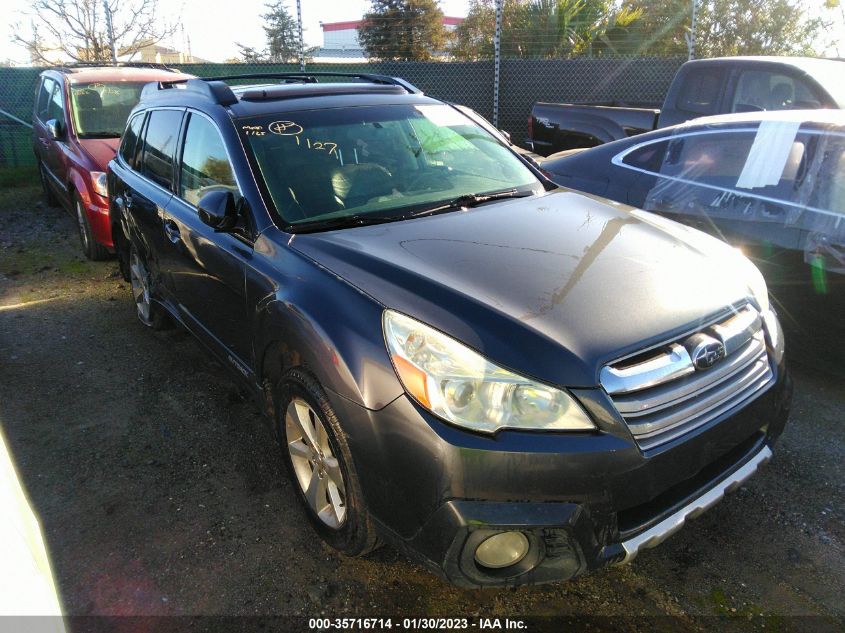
column 301, row 45
column 497, row 37
column 691, row 38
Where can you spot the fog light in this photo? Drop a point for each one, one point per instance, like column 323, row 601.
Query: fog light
column 502, row 550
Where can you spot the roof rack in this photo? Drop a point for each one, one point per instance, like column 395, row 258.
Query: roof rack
column 75, row 66
column 217, row 90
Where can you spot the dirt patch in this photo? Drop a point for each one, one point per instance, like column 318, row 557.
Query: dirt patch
column 161, row 491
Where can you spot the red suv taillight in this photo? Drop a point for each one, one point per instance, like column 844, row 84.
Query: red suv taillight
column 530, row 127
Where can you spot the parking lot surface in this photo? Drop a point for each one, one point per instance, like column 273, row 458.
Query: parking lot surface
column 161, row 490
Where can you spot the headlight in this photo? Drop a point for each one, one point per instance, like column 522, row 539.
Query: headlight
column 462, row 387
column 98, row 178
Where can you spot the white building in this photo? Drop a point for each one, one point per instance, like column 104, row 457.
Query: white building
column 340, row 40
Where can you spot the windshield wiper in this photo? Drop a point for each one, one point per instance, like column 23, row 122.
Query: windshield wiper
column 363, row 219
column 470, row 200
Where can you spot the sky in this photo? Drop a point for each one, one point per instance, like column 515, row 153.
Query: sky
column 213, row 26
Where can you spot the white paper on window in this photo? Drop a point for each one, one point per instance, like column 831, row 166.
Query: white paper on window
column 769, row 154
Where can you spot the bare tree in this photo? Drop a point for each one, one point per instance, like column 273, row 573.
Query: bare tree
column 78, row 29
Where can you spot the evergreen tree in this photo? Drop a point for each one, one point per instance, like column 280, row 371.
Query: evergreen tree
column 282, row 34
column 757, row 27
column 403, row 30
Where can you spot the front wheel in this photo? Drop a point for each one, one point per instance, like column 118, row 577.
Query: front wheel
column 150, row 313
column 319, row 461
column 90, row 247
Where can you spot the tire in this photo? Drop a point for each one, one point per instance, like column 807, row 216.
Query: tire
column 49, row 196
column 332, row 500
column 90, row 247
column 150, row 313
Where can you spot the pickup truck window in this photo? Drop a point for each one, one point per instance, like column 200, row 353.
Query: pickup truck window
column 759, row 90
column 100, row 109
column 377, row 160
column 159, row 144
column 700, row 92
column 205, row 164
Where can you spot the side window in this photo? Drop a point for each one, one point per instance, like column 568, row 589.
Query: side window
column 764, row 90
column 700, row 92
column 43, row 100
column 205, row 166
column 56, row 106
column 159, row 144
column 130, row 139
column 648, row 157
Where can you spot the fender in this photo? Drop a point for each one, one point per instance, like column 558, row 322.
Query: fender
column 336, row 335
column 77, row 183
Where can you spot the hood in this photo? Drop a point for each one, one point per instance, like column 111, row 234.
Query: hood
column 101, row 150
column 552, row 286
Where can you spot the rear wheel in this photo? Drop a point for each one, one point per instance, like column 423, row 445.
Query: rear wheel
column 150, row 313
column 50, row 197
column 318, row 458
column 90, row 247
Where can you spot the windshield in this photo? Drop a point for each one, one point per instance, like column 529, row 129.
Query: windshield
column 378, row 162
column 100, row 110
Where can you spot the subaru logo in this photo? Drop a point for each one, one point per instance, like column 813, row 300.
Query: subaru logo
column 704, row 351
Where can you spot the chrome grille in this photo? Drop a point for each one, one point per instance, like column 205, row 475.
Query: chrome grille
column 662, row 393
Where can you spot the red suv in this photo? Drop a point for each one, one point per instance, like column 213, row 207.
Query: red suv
column 79, row 115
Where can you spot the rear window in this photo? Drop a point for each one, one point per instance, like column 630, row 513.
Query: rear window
column 700, row 92
column 159, row 145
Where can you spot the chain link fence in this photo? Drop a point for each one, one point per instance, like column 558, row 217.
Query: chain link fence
column 522, row 83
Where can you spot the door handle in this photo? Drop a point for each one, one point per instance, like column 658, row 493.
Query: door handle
column 171, row 229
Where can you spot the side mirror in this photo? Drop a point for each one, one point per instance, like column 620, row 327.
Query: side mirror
column 507, row 135
column 54, row 129
column 217, row 210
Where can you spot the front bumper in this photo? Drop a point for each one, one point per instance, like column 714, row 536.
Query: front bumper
column 583, row 500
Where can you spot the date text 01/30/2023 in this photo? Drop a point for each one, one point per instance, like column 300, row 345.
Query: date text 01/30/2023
column 414, row 624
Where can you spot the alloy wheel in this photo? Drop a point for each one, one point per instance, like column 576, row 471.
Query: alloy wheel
column 315, row 465
column 139, row 278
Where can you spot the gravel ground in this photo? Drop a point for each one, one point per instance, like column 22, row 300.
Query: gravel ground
column 161, row 491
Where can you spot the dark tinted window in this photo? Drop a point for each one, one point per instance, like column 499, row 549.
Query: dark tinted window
column 159, row 144
column 648, row 157
column 205, row 164
column 700, row 92
column 130, row 139
column 55, row 106
column 44, row 97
